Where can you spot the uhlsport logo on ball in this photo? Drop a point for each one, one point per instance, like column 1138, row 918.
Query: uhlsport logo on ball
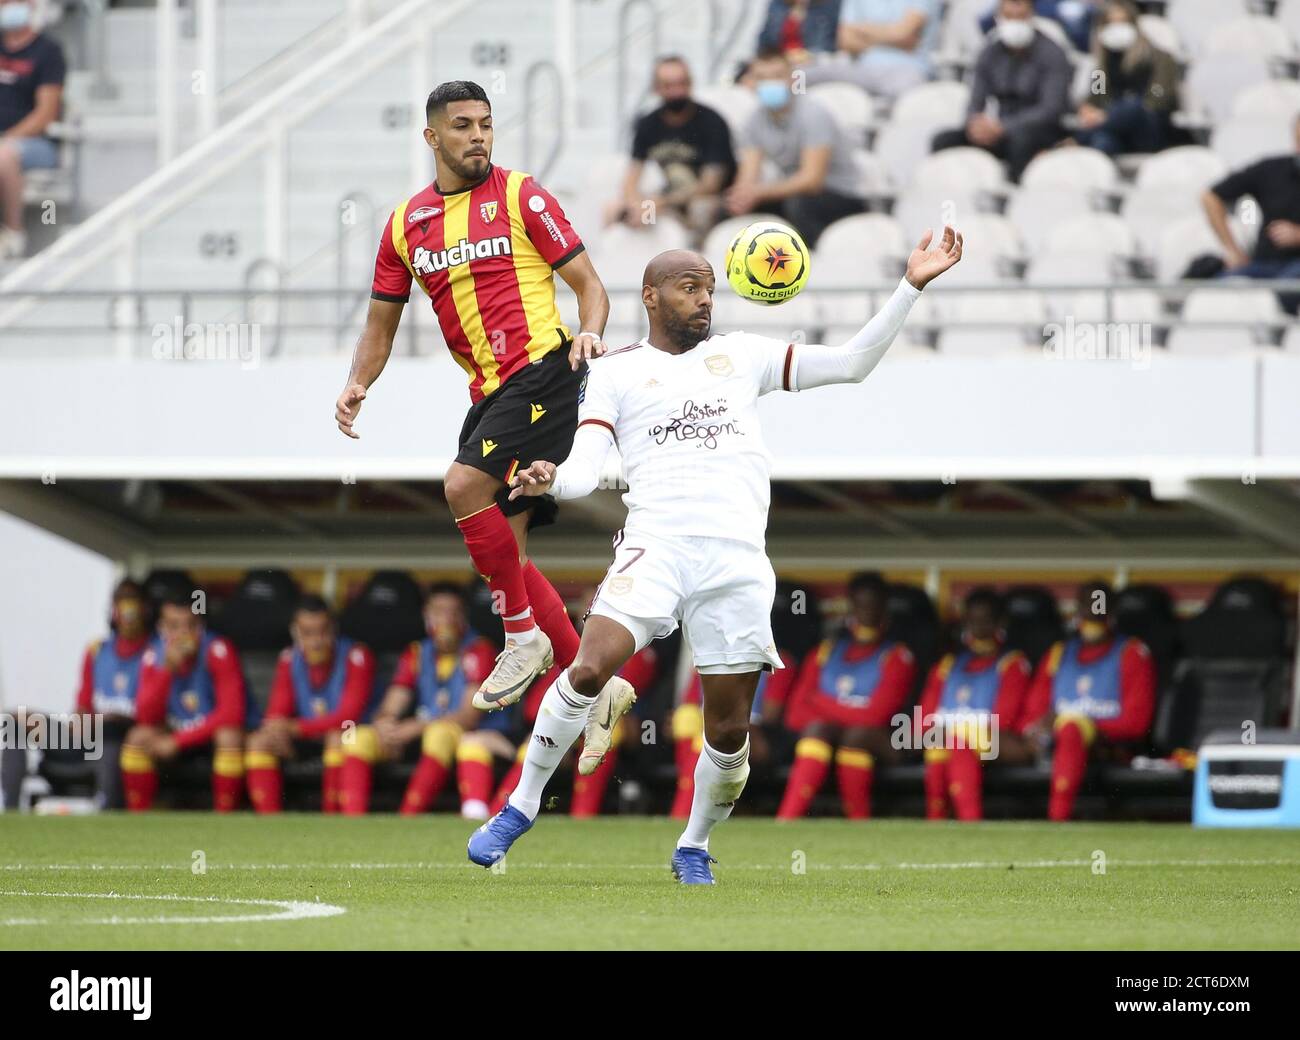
column 767, row 262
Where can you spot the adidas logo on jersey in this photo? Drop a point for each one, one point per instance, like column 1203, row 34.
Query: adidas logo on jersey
column 424, row 261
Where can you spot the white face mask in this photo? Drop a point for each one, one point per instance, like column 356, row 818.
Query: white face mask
column 1118, row 36
column 14, row 17
column 1016, row 33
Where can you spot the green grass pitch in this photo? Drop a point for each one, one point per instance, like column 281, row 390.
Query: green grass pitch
column 314, row 882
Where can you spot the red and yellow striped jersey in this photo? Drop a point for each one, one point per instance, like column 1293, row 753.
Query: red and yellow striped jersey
column 486, row 257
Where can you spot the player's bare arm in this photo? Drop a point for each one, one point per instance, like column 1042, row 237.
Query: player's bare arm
column 368, row 360
column 593, row 309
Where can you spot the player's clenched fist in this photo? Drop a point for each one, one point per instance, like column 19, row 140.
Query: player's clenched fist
column 535, row 480
column 347, row 407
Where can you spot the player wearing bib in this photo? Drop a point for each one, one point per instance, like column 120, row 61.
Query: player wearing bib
column 1091, row 691
column 192, row 698
column 427, row 715
column 848, row 690
column 484, row 244
column 682, row 407
column 322, row 684
column 966, row 693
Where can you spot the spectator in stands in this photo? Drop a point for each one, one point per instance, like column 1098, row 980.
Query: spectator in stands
column 1020, row 91
column 983, row 684
column 1133, row 89
column 192, row 700
column 1274, row 184
column 1090, row 693
column 888, row 43
column 1075, row 17
column 691, row 145
column 588, row 791
column 847, row 693
column 322, row 683
column 31, row 92
column 817, row 182
column 428, row 713
column 800, row 29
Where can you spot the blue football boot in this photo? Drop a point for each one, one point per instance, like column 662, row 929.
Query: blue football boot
column 490, row 843
column 691, row 866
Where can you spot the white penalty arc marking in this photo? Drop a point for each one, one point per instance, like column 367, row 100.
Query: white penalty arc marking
column 282, row 910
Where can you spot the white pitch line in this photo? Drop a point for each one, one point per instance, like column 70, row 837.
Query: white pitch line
column 539, row 865
column 286, row 910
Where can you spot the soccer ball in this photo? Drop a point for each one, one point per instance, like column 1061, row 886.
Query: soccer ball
column 767, row 263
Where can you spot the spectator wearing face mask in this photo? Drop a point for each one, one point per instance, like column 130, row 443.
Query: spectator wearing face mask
column 888, row 43
column 1019, row 92
column 1074, row 16
column 800, row 29
column 31, row 91
column 1134, row 87
column 691, row 145
column 816, row 181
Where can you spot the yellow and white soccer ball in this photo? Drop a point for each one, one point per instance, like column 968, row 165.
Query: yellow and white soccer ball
column 767, row 263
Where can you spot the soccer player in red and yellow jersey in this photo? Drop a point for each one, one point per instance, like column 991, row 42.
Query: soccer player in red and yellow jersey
column 484, row 243
column 1089, row 691
column 984, row 684
column 191, row 698
column 322, row 683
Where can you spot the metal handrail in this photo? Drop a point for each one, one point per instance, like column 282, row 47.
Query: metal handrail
column 719, row 52
column 560, row 130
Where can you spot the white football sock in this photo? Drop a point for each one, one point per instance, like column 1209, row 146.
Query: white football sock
column 561, row 719
column 524, row 635
column 719, row 779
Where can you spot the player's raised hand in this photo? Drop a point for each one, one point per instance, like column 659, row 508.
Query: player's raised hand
column 533, row 481
column 347, row 407
column 586, row 345
column 926, row 264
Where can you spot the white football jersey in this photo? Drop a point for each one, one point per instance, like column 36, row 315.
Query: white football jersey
column 687, row 429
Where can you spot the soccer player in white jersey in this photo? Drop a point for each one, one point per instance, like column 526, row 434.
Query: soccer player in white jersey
column 681, row 406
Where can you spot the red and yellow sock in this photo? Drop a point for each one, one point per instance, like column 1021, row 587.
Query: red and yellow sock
column 492, row 547
column 688, row 742
column 473, row 772
column 227, row 779
column 812, row 761
column 438, row 749
column 265, row 783
column 357, row 771
column 936, row 783
column 966, row 784
column 331, row 779
column 1074, row 735
column 139, row 779
column 854, row 771
column 551, row 617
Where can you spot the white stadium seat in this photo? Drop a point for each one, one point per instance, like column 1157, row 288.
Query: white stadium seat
column 849, row 105
column 861, row 248
column 734, row 103
column 1250, row 36
column 901, row 145
column 1287, row 15
column 873, row 176
column 1190, row 164
column 621, row 253
column 1231, row 306
column 1105, row 233
column 966, row 169
column 797, row 319
column 1197, row 19
column 1072, row 168
column 921, row 206
column 993, row 323
column 1291, row 339
column 1243, row 140
column 1095, row 269
column 941, row 105
column 1035, row 211
column 1181, row 242
column 961, row 35
column 1214, row 79
column 1191, row 341
column 1274, row 97
column 1163, row 34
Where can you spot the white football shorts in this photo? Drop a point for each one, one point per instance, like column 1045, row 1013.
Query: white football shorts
column 719, row 589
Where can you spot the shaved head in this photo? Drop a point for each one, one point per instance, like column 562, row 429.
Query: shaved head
column 677, row 290
column 672, row 263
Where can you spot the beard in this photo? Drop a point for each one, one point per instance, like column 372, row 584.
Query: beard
column 470, row 168
column 682, row 333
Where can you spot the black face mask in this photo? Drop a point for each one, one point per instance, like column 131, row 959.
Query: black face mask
column 677, row 104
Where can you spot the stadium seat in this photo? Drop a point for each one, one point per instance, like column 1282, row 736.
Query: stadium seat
column 915, row 623
column 1092, row 305
column 386, row 613
column 1191, row 164
column 798, row 319
column 1243, row 140
column 163, row 583
column 1181, row 242
column 1207, row 695
column 1072, row 168
column 849, row 105
column 1033, row 621
column 920, row 206
column 961, row 36
column 1195, row 341
column 940, row 105
column 1287, row 15
column 965, row 169
column 1274, row 97
column 1244, row 619
column 901, row 145
column 480, row 612
column 1232, row 306
column 873, row 176
column 994, row 323
column 796, row 623
column 1146, row 612
column 1291, row 339
column 1164, row 34
column 1213, row 80
column 1252, row 36
column 1197, row 19
column 867, row 248
column 621, row 252
column 257, row 615
column 1104, row 233
column 734, row 103
column 1036, row 211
